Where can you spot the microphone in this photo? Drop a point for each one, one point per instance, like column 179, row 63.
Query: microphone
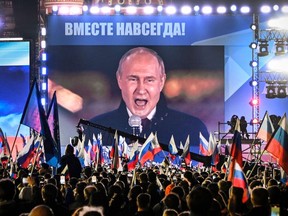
column 135, row 122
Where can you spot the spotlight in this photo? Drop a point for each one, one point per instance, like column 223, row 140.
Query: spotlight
column 207, row 9
column 43, row 31
column 117, row 9
column 131, row 10
column 280, row 48
column 253, row 63
column 44, row 57
column 282, row 89
column 253, row 45
column 186, row 10
column 196, row 8
column 271, row 90
column 148, row 10
column 284, row 9
column 43, row 101
column 276, row 7
column 44, row 71
column 245, row 9
column 253, row 83
column 170, row 10
column 263, row 48
column 221, row 9
column 85, row 8
column 254, row 121
column 265, row 9
column 253, row 27
column 94, row 10
column 233, row 8
column 254, row 102
column 54, row 9
column 160, row 8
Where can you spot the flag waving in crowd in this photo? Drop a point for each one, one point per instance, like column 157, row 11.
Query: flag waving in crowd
column 236, row 148
column 134, row 157
column 146, row 152
column 266, row 128
column 186, row 152
column 53, row 122
column 34, row 117
column 204, row 145
column 278, row 144
column 4, row 145
column 239, row 180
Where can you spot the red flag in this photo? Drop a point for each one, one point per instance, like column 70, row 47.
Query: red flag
column 236, row 149
column 278, row 144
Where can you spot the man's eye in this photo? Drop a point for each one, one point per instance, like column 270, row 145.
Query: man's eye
column 132, row 79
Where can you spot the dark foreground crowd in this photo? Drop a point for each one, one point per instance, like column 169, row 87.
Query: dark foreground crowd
column 153, row 193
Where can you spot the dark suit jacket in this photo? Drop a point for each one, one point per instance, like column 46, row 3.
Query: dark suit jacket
column 166, row 122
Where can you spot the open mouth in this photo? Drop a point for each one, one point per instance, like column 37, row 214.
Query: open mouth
column 141, row 102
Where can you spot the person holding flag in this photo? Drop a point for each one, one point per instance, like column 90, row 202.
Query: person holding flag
column 70, row 164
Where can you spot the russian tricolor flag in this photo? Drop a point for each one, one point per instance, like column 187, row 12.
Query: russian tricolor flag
column 239, row 180
column 236, row 149
column 27, row 153
column 278, row 144
column 204, row 145
column 266, row 128
column 133, row 161
column 146, row 152
column 186, row 152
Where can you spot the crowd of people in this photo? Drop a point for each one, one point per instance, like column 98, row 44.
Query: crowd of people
column 155, row 191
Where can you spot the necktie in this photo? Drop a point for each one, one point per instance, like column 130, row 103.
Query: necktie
column 145, row 123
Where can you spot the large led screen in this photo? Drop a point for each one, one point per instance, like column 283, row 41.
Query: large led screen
column 14, row 82
column 84, row 78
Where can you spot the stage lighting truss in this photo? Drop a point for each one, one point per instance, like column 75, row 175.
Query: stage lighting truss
column 263, row 48
column 280, row 47
column 78, row 7
column 282, row 89
column 276, row 89
column 280, row 36
column 271, row 89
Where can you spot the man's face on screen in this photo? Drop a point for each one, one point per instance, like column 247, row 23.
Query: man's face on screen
column 141, row 82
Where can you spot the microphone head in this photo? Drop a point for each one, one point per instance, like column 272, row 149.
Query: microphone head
column 134, row 121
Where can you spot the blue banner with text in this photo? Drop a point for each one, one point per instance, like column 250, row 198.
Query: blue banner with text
column 139, row 30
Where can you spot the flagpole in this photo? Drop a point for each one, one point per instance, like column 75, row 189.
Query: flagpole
column 14, row 142
column 258, row 160
column 133, row 178
column 228, row 166
column 37, row 151
column 252, row 144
